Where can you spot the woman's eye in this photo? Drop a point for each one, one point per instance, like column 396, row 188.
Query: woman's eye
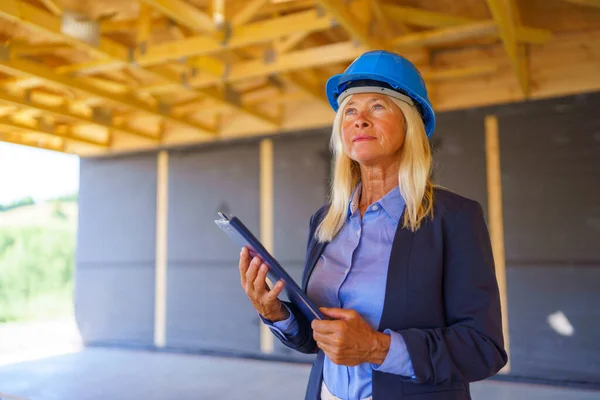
column 350, row 111
column 378, row 107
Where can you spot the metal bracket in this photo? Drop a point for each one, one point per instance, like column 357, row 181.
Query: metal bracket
column 226, row 71
column 269, row 56
column 5, row 53
column 185, row 80
column 321, row 12
column 226, row 31
column 231, row 96
column 164, row 108
column 101, row 115
column 131, row 55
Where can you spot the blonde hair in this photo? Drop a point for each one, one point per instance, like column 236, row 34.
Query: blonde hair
column 414, row 174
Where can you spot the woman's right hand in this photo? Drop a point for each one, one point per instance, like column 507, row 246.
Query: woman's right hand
column 253, row 274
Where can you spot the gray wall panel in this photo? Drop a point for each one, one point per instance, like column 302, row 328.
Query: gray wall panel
column 537, row 350
column 202, row 183
column 117, row 210
column 115, row 303
column 207, row 309
column 301, row 175
column 551, row 183
column 206, row 305
column 114, row 280
column 459, row 154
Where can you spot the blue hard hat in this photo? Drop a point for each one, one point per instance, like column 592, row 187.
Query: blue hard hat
column 385, row 69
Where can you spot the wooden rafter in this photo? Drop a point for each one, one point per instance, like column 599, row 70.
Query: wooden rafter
column 6, row 122
column 113, row 55
column 184, row 13
column 430, row 19
column 505, row 14
column 65, row 112
column 248, row 12
column 357, row 29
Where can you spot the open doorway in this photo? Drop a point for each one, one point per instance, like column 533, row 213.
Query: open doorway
column 38, row 227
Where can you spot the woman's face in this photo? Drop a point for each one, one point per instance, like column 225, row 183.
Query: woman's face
column 373, row 128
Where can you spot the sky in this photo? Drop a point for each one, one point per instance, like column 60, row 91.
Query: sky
column 41, row 174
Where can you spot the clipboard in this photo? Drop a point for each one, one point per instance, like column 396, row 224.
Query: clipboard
column 237, row 231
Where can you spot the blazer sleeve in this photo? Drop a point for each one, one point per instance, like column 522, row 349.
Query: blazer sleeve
column 302, row 340
column 471, row 346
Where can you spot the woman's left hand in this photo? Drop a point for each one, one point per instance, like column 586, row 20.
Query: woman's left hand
column 348, row 339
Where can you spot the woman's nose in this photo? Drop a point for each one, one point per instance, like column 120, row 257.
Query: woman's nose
column 362, row 123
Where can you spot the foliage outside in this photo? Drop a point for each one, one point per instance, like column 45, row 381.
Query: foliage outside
column 37, row 247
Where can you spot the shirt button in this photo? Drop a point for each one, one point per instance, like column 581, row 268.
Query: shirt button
column 375, row 208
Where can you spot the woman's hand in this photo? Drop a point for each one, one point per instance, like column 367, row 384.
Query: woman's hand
column 253, row 274
column 348, row 339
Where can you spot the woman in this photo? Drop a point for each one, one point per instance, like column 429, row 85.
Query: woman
column 404, row 270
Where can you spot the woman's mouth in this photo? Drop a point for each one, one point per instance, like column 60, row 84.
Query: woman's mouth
column 363, row 138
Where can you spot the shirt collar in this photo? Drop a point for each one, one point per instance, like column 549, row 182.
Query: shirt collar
column 393, row 203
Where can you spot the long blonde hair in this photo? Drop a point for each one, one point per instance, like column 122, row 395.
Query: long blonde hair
column 414, row 174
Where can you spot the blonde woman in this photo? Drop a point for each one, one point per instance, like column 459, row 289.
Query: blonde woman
column 404, row 270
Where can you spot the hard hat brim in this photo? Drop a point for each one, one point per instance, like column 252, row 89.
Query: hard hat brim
column 335, row 82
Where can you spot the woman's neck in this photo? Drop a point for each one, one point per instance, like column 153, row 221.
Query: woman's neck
column 377, row 181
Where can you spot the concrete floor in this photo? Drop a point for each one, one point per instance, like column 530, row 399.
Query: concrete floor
column 104, row 373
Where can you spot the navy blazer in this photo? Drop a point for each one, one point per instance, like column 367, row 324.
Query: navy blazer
column 441, row 295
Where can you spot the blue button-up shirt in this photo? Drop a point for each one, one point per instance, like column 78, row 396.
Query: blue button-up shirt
column 352, row 274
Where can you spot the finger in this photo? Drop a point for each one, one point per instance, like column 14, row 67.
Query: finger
column 276, row 291
column 259, row 281
column 326, row 327
column 244, row 264
column 339, row 313
column 251, row 274
column 323, row 338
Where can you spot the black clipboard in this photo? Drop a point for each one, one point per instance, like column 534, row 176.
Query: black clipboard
column 237, row 231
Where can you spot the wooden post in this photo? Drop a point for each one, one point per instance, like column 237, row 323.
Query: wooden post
column 160, row 289
column 495, row 219
column 266, row 223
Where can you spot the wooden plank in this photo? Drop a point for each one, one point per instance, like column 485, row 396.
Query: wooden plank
column 266, row 224
column 16, row 139
column 13, row 125
column 505, row 16
column 160, row 289
column 245, row 35
column 585, row 3
column 184, row 13
column 52, row 6
column 356, row 28
column 65, row 112
column 430, row 19
column 495, row 219
column 248, row 12
column 27, row 68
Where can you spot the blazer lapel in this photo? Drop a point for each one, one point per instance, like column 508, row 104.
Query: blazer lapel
column 311, row 261
column 397, row 277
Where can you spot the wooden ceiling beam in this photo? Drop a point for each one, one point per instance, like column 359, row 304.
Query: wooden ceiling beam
column 15, row 138
column 52, row 6
column 585, row 3
column 245, row 35
column 65, row 112
column 31, row 69
column 184, row 14
column 36, row 127
column 113, row 54
column 383, row 20
column 248, row 12
column 355, row 27
column 430, row 19
column 505, row 14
